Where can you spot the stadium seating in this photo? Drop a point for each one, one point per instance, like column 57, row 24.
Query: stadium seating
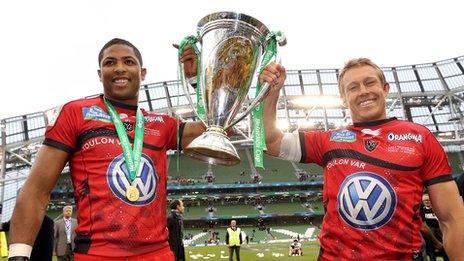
column 276, row 170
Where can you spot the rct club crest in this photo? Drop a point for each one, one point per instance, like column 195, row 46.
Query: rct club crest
column 119, row 180
column 366, row 200
column 370, row 145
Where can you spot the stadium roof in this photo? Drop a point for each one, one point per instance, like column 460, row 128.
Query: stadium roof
column 50, row 47
column 431, row 94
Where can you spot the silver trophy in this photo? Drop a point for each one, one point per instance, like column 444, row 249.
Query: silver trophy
column 232, row 45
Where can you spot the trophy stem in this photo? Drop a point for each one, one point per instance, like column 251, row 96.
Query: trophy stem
column 213, row 147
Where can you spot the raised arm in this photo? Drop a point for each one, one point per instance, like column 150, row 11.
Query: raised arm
column 275, row 75
column 34, row 196
column 191, row 131
column 449, row 209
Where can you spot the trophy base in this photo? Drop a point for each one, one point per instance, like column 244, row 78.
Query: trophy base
column 213, row 147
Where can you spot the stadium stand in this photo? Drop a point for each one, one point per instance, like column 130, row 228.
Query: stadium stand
column 289, row 194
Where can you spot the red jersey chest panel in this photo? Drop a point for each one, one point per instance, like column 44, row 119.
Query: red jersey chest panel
column 98, row 144
column 114, row 225
column 373, row 181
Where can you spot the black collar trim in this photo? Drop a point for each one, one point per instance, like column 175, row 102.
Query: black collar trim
column 373, row 123
column 121, row 105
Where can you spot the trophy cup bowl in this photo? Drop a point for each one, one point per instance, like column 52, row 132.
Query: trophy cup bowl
column 232, row 45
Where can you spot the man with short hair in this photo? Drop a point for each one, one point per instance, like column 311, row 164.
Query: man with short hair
column 234, row 240
column 374, row 172
column 176, row 228
column 117, row 158
column 64, row 235
column 433, row 248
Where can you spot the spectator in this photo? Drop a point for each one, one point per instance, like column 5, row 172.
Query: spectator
column 260, row 209
column 252, row 237
column 64, row 235
column 176, row 228
column 430, row 242
column 433, row 248
column 234, row 240
column 295, row 248
column 302, row 176
column 210, row 210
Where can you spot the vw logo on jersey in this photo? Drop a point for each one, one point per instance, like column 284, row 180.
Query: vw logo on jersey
column 119, row 180
column 366, row 200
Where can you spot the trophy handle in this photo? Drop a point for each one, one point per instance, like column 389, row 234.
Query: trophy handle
column 260, row 97
column 185, row 83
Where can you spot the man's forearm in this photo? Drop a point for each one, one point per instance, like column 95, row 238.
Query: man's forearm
column 27, row 218
column 273, row 134
column 453, row 239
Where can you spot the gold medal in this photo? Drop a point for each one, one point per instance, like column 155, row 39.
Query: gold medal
column 132, row 193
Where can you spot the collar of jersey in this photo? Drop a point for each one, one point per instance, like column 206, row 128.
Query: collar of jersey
column 120, row 104
column 373, row 123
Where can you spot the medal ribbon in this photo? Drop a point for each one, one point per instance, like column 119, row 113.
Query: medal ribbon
column 131, row 157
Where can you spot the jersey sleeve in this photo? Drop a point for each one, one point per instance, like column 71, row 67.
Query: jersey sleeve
column 62, row 133
column 311, row 143
column 174, row 137
column 436, row 166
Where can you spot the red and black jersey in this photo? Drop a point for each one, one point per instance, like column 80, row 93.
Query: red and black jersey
column 108, row 223
column 374, row 174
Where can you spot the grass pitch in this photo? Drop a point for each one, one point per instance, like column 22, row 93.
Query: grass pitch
column 261, row 251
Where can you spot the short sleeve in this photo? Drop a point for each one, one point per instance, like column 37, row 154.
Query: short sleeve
column 311, row 143
column 62, row 133
column 436, row 166
column 176, row 128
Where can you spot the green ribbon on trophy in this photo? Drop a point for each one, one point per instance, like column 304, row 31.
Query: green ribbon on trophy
column 243, row 45
column 192, row 40
column 259, row 141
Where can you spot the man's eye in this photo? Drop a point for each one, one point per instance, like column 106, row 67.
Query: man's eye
column 130, row 62
column 108, row 62
column 370, row 83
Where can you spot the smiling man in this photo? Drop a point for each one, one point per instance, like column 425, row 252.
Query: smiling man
column 374, row 172
column 117, row 159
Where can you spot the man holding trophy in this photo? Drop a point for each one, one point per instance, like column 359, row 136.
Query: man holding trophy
column 374, row 172
column 117, row 165
column 118, row 168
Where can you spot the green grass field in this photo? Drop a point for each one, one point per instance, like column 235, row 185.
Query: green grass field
column 268, row 251
column 262, row 251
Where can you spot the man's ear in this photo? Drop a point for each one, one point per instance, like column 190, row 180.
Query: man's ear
column 386, row 88
column 143, row 73
column 99, row 74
